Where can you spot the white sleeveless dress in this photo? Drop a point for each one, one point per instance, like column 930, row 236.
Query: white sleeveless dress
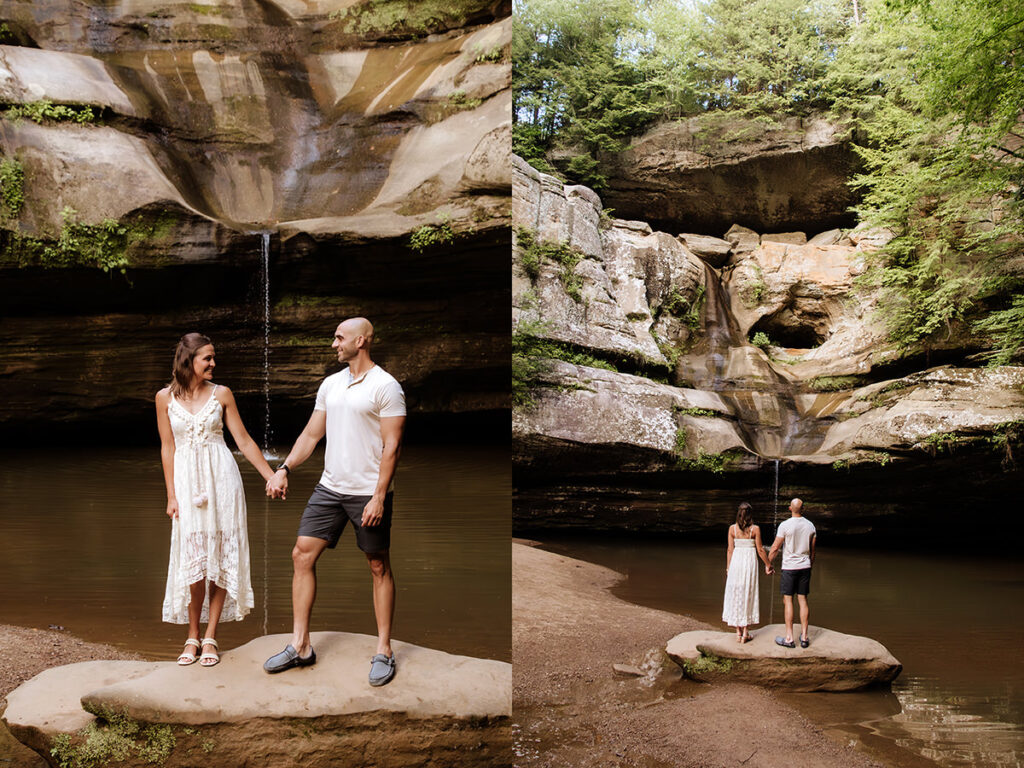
column 741, row 603
column 209, row 538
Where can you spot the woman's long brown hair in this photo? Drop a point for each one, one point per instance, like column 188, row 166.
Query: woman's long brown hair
column 184, row 354
column 744, row 517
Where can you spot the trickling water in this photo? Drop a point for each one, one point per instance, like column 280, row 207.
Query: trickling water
column 775, row 532
column 762, row 399
column 265, row 275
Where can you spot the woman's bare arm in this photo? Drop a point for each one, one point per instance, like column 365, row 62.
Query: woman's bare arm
column 245, row 443
column 163, row 425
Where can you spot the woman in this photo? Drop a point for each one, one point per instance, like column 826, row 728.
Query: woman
column 205, row 499
column 741, row 608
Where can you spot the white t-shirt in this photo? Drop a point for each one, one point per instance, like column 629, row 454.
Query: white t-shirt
column 796, row 552
column 354, row 410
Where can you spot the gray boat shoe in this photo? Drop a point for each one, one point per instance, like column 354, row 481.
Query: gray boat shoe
column 287, row 659
column 382, row 669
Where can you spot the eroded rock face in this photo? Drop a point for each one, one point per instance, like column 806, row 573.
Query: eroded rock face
column 691, row 176
column 591, row 420
column 632, row 284
column 675, row 445
column 452, row 709
column 833, row 662
column 337, row 128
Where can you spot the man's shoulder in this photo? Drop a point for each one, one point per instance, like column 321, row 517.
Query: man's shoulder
column 382, row 377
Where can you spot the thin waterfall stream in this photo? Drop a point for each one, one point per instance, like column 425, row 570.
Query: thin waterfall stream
column 762, row 400
column 267, row 453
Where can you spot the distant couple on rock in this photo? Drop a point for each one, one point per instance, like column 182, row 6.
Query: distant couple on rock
column 361, row 411
column 796, row 538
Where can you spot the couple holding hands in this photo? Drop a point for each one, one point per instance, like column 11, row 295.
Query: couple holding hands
column 796, row 538
column 360, row 410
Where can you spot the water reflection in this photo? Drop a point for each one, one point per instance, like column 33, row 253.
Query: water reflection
column 953, row 621
column 85, row 546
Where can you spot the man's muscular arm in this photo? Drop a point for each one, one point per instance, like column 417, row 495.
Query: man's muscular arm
column 315, row 429
column 391, row 428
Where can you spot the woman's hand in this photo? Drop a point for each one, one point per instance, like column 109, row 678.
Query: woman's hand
column 172, row 508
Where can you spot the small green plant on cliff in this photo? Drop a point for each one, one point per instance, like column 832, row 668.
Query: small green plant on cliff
column 834, row 383
column 761, row 340
column 395, row 18
column 102, row 245
column 680, row 306
column 841, row 464
column 699, row 412
column 533, row 252
column 457, row 100
column 490, row 55
column 430, row 235
column 46, row 111
column 682, row 438
column 12, row 187
column 752, row 291
column 940, row 442
column 1005, row 437
column 705, row 462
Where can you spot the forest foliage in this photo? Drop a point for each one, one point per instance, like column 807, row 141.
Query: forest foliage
column 931, row 91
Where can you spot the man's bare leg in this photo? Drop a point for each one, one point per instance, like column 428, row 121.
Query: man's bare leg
column 306, row 552
column 787, row 602
column 383, row 598
column 805, row 616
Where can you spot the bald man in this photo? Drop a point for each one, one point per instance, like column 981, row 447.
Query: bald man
column 361, row 410
column 796, row 537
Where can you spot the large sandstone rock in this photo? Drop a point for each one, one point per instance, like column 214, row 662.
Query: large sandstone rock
column 931, row 411
column 637, row 430
column 705, row 174
column 632, row 282
column 803, row 297
column 441, row 708
column 833, row 662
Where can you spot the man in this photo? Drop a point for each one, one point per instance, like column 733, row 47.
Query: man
column 361, row 410
column 796, row 537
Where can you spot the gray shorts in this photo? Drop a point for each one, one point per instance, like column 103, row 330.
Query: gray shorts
column 327, row 513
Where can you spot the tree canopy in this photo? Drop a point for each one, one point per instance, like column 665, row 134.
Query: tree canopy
column 932, row 92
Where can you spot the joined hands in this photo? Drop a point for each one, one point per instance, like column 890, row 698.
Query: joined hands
column 277, row 485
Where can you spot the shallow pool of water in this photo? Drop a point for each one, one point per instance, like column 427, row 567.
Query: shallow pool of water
column 85, row 544
column 954, row 622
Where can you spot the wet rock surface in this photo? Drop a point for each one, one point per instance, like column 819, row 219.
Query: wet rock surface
column 454, row 708
column 834, row 661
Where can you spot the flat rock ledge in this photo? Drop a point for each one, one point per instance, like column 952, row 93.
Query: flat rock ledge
column 833, row 662
column 440, row 709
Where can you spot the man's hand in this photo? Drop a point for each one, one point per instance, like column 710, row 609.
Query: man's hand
column 373, row 513
column 768, row 570
column 277, row 485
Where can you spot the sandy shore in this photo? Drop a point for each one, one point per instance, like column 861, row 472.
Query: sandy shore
column 571, row 709
column 24, row 653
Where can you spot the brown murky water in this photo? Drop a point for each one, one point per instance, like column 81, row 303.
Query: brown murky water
column 954, row 621
column 85, row 544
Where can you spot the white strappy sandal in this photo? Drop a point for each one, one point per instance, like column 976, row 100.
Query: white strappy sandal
column 188, row 656
column 210, row 659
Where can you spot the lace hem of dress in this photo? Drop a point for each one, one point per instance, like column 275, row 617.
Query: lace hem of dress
column 212, row 557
